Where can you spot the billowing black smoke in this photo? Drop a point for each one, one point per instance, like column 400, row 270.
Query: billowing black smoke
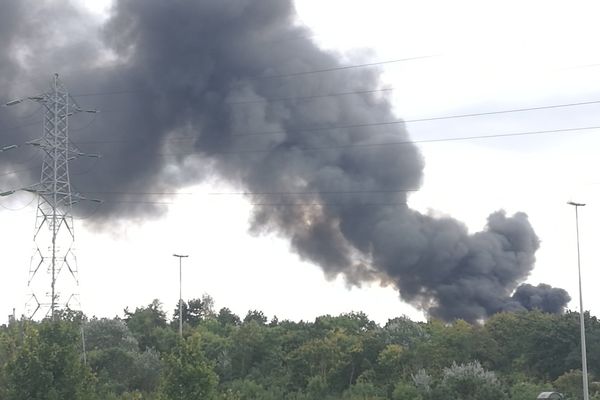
column 541, row 297
column 186, row 85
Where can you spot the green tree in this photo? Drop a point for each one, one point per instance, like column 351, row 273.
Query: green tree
column 535, row 344
column 254, row 315
column 149, row 326
column 444, row 344
column 570, row 384
column 113, row 355
column 226, row 317
column 362, row 390
column 256, row 353
column 187, row 374
column 247, row 389
column 217, row 348
column 49, row 365
column 317, row 388
column 406, row 391
column 8, row 348
column 194, row 311
column 391, row 364
column 527, row 391
column 469, row 382
column 404, row 332
column 335, row 358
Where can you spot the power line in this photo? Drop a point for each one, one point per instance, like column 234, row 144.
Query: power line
column 253, row 193
column 139, row 202
column 278, row 76
column 86, row 125
column 274, row 204
column 29, row 160
column 395, row 143
column 7, row 173
column 18, row 208
column 108, row 93
column 338, row 68
column 373, row 124
column 371, row 64
column 36, row 122
column 87, row 170
column 36, row 166
column 259, row 193
column 143, row 193
column 316, row 96
column 405, row 142
column 300, row 73
column 428, row 119
column 89, row 215
column 12, row 128
column 266, row 77
column 384, row 144
column 315, row 192
column 320, row 204
column 21, row 117
column 292, row 38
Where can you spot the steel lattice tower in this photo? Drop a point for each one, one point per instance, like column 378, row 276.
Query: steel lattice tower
column 53, row 275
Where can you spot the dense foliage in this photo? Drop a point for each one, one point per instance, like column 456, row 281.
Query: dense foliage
column 225, row 357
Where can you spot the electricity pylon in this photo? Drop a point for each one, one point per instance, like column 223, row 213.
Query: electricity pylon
column 54, row 236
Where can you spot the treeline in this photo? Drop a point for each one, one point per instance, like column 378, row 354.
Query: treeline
column 224, row 357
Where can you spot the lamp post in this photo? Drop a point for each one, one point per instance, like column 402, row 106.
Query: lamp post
column 180, row 256
column 581, row 319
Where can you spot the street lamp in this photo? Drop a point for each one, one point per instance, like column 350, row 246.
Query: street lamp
column 581, row 319
column 180, row 256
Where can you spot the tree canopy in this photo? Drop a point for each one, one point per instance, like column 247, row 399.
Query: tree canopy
column 511, row 356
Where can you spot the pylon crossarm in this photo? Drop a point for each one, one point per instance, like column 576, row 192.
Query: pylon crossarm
column 10, row 147
column 41, row 143
column 32, row 273
column 78, row 109
column 74, row 149
column 77, row 197
column 47, row 146
column 37, row 305
column 7, row 193
column 90, row 155
column 59, row 265
column 71, row 270
column 58, row 222
column 13, row 191
column 34, row 142
column 38, row 228
column 73, row 297
column 69, row 228
column 38, row 98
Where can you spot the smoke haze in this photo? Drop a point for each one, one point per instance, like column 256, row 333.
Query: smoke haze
column 183, row 89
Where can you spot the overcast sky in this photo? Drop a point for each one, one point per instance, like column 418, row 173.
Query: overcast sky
column 484, row 56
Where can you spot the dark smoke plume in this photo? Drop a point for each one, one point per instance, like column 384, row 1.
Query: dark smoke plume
column 541, row 297
column 185, row 85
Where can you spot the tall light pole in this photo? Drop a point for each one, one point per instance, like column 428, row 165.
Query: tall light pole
column 581, row 312
column 180, row 256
